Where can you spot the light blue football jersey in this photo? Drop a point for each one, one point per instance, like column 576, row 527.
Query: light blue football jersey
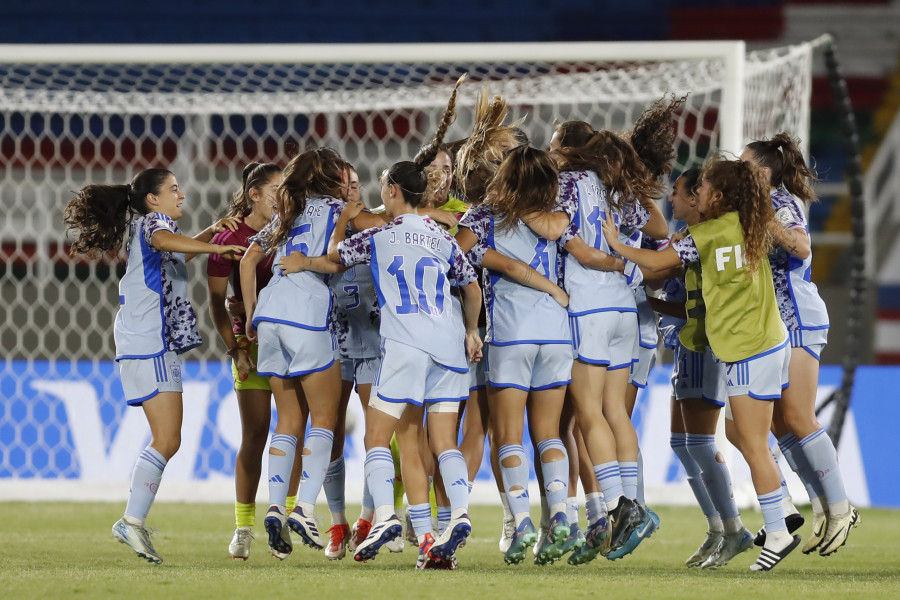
column 413, row 262
column 591, row 290
column 517, row 314
column 357, row 313
column 155, row 314
column 302, row 299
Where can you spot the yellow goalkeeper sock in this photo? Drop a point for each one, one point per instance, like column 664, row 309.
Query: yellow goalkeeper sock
column 244, row 514
column 289, row 503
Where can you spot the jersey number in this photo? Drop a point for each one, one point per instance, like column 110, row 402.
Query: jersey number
column 541, row 259
column 294, row 242
column 408, row 304
column 595, row 217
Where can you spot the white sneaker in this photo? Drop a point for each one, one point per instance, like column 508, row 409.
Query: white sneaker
column 707, row 548
column 138, row 538
column 240, row 543
column 380, row 534
column 837, row 531
column 507, row 533
column 396, row 545
column 732, row 545
column 306, row 527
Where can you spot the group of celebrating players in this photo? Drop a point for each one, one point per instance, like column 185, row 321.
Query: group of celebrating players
column 579, row 277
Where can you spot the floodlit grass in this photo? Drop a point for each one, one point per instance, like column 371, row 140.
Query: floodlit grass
column 65, row 550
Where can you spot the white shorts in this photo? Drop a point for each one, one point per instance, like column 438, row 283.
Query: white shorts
column 762, row 376
column 143, row 378
column 409, row 375
column 530, row 366
column 641, row 367
column 361, row 371
column 698, row 375
column 607, row 338
column 289, row 351
column 803, row 338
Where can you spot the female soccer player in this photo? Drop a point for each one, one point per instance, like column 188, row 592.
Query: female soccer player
column 254, row 205
column 296, row 345
column 530, row 343
column 698, row 393
column 802, row 439
column 742, row 323
column 155, row 323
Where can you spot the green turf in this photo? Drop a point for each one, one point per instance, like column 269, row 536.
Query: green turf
column 65, row 550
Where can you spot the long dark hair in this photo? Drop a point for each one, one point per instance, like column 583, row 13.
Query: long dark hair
column 653, row 136
column 526, row 181
column 745, row 190
column 786, row 165
column 409, row 175
column 309, row 174
column 100, row 213
column 254, row 176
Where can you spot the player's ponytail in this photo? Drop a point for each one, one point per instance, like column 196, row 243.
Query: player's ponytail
column 745, row 190
column 653, row 136
column 409, row 175
column 787, row 167
column 99, row 214
column 526, row 181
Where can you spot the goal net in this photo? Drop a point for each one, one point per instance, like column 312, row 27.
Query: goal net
column 74, row 115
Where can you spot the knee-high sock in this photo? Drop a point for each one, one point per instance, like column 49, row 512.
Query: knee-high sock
column 716, row 478
column 145, row 478
column 822, row 457
column 678, row 442
column 609, row 477
column 515, row 477
column 315, row 466
column 334, row 489
column 280, row 466
column 379, row 470
column 456, row 481
column 556, row 475
column 796, row 458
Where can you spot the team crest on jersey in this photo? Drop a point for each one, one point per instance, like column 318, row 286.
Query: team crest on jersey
column 176, row 373
column 350, row 274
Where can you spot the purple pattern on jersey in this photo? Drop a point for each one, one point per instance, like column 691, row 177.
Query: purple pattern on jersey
column 264, row 237
column 181, row 321
column 789, row 214
column 478, row 220
column 686, row 249
column 568, row 201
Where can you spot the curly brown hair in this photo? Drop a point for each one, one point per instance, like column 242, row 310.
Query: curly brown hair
column 309, row 174
column 653, row 136
column 410, row 176
column 253, row 177
column 615, row 162
column 481, row 153
column 787, row 167
column 100, row 214
column 744, row 189
column 526, row 181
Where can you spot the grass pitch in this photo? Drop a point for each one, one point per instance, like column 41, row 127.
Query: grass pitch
column 65, row 550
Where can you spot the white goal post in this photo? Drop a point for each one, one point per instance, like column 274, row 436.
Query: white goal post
column 77, row 114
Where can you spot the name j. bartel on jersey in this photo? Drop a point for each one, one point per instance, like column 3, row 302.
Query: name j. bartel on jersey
column 416, row 239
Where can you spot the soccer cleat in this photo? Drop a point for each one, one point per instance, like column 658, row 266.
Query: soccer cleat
column 337, row 541
column 768, row 558
column 306, row 527
column 794, row 521
column 837, row 531
column 820, row 523
column 280, row 544
column 574, row 541
column 380, row 534
column 240, row 543
column 424, row 559
column 138, row 539
column 396, row 545
column 624, row 519
column 454, row 537
column 524, row 536
column 647, row 528
column 596, row 541
column 411, row 531
column 550, row 547
column 507, row 533
column 707, row 548
column 732, row 545
column 358, row 533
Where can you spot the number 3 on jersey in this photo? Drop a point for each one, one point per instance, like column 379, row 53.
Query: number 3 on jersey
column 408, row 305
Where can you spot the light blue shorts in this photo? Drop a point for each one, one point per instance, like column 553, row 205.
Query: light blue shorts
column 361, row 371
column 289, row 351
column 530, row 366
column 809, row 338
column 698, row 375
column 410, row 375
column 762, row 376
column 641, row 367
column 478, row 372
column 607, row 338
column 143, row 378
